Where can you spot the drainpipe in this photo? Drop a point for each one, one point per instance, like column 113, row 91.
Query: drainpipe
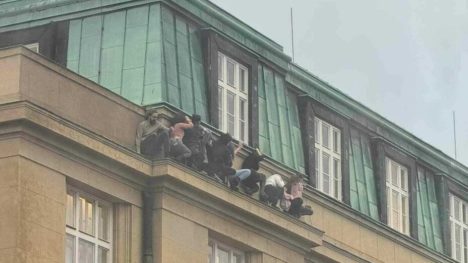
column 148, row 204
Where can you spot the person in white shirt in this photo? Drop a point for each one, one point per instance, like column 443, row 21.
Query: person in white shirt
column 274, row 190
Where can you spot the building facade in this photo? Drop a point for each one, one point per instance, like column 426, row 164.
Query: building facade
column 75, row 190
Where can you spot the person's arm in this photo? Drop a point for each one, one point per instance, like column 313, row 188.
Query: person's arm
column 183, row 125
column 286, row 195
column 239, row 147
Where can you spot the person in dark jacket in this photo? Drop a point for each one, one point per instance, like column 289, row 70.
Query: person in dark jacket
column 221, row 156
column 197, row 139
column 249, row 177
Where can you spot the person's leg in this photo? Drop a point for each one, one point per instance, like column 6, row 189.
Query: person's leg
column 179, row 150
column 271, row 196
column 267, row 194
column 164, row 143
column 306, row 210
column 295, row 207
column 243, row 174
column 147, row 146
column 154, row 145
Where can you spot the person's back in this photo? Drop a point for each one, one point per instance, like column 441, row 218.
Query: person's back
column 253, row 161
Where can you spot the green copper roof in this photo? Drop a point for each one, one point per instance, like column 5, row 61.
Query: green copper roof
column 27, row 13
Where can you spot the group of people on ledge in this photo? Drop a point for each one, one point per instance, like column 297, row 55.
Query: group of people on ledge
column 188, row 142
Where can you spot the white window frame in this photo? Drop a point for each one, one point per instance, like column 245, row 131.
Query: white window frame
column 215, row 245
column 333, row 151
column 460, row 222
column 235, row 88
column 401, row 189
column 75, row 232
column 33, row 47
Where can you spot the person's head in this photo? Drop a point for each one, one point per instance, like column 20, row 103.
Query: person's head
column 196, row 119
column 178, row 118
column 225, row 138
column 152, row 116
column 295, row 178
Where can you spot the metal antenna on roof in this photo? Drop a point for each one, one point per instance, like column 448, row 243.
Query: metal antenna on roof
column 454, row 135
column 292, row 35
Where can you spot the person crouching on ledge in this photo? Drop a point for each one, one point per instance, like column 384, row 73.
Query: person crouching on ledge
column 292, row 199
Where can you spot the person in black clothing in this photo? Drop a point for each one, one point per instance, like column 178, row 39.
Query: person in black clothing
column 196, row 139
column 220, row 157
column 248, row 177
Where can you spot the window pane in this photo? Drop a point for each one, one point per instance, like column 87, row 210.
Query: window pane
column 230, row 123
column 230, row 112
column 336, row 176
column 242, row 131
column 326, row 173
column 404, row 212
column 336, row 141
column 242, row 111
column 317, row 162
column 86, row 216
column 230, row 73
column 223, row 256
column 242, row 118
column 465, row 238
column 394, row 173
column 456, row 204
column 103, row 255
column 70, row 249
column 220, row 67
column 230, row 102
column 396, row 210
column 103, row 222
column 70, row 209
column 85, row 252
column 403, row 180
column 220, row 108
column 325, row 139
column 457, row 242
column 242, row 79
column 237, row 258
column 389, row 206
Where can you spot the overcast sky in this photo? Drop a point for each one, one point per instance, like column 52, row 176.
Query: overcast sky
column 405, row 59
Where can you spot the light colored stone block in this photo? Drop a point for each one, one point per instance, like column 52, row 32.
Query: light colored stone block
column 10, row 76
column 8, row 172
column 332, row 225
column 351, row 234
column 369, row 242
column 43, row 181
column 9, row 216
column 41, row 244
column 402, row 254
column 386, row 250
column 42, row 211
column 9, row 255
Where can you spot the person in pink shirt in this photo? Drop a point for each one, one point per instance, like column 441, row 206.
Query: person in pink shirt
column 178, row 149
column 292, row 201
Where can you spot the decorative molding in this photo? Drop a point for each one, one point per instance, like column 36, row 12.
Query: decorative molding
column 375, row 226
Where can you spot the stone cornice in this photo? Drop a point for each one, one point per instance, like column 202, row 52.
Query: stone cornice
column 373, row 225
column 198, row 190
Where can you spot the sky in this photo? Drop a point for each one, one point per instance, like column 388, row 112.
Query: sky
column 405, row 59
